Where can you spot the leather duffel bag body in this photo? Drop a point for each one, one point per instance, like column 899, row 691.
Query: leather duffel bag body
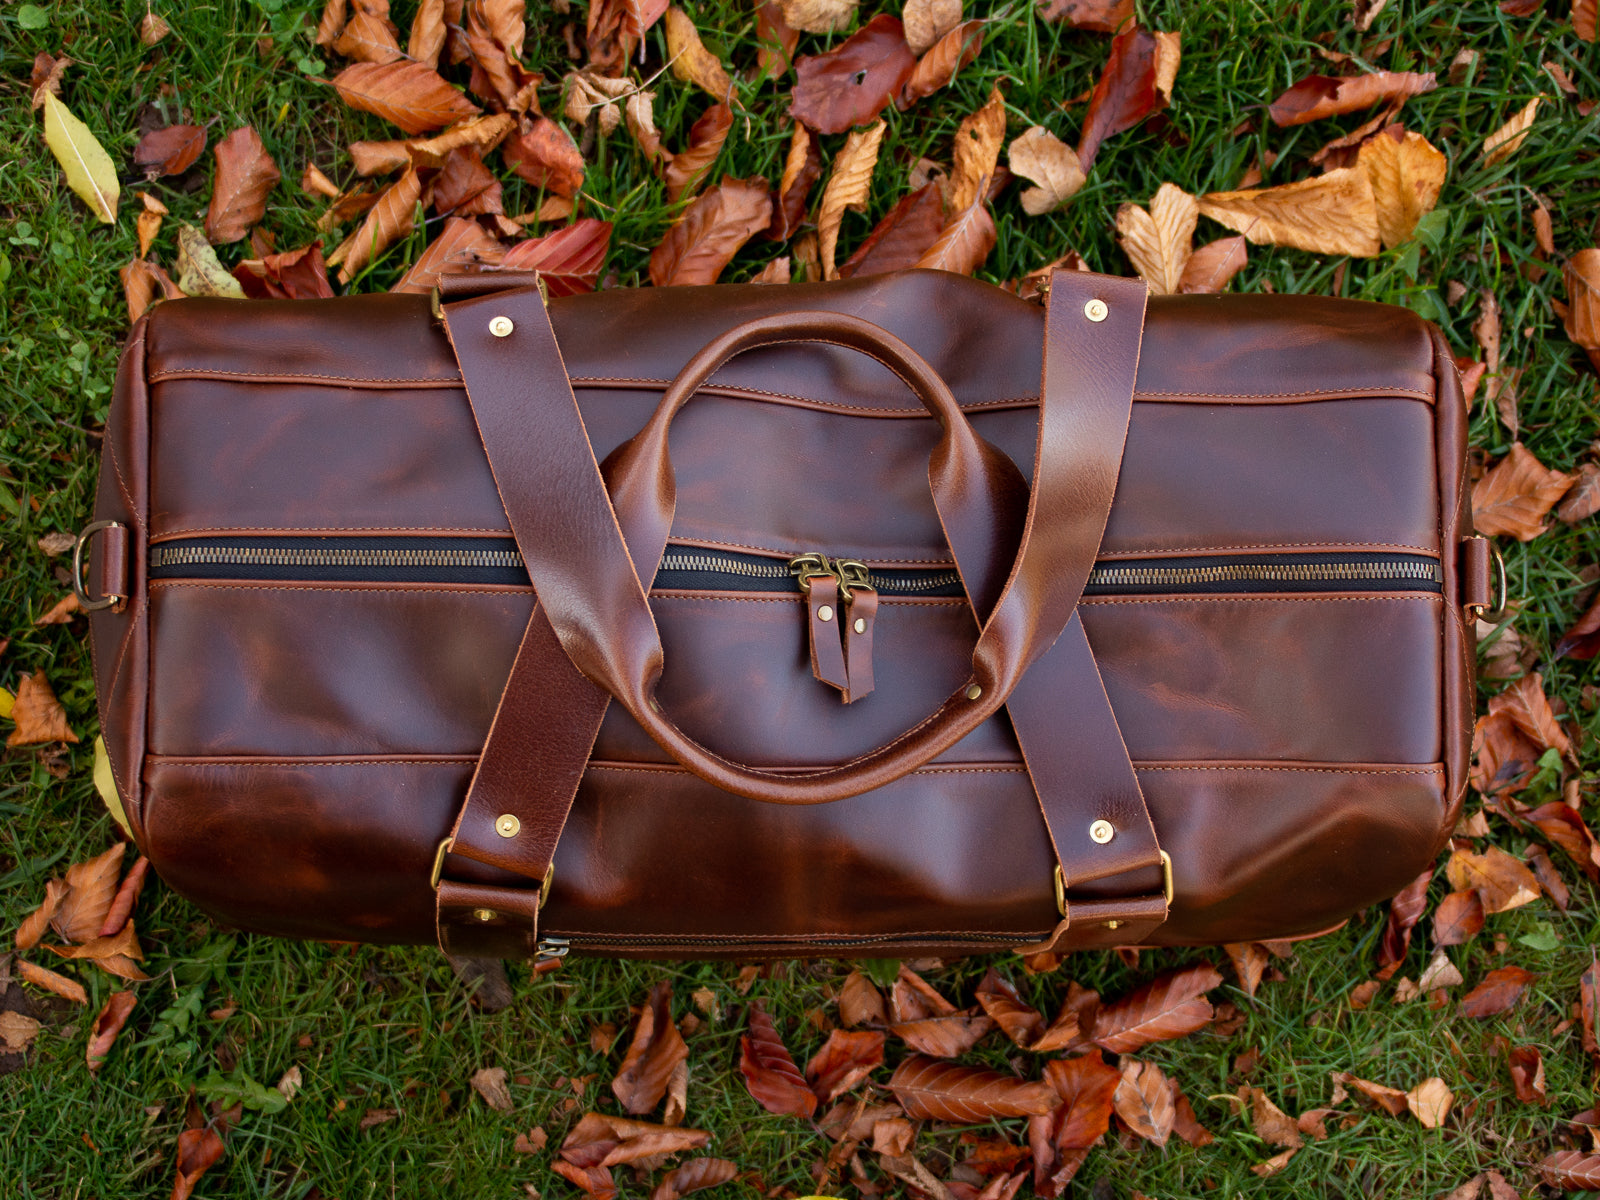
column 942, row 622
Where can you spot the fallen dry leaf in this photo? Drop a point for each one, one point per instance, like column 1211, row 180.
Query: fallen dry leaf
column 1319, row 96
column 408, row 94
column 17, row 1032
column 691, row 61
column 198, row 1151
column 1273, row 1165
column 1583, row 497
column 1333, row 213
column 369, row 36
column 142, row 283
column 1270, row 1123
column 1060, row 1139
column 1458, row 918
column 652, row 1056
column 1526, row 1065
column 777, row 38
column 1549, row 878
column 170, row 150
column 1406, row 174
column 1185, row 1124
column 38, row 714
column 689, row 166
column 43, row 977
column 926, row 21
column 1040, row 156
column 854, row 82
column 490, row 1084
column 801, row 169
column 615, row 29
column 1507, row 140
column 334, row 15
column 148, row 222
column 1125, row 94
column 932, row 1090
column 465, row 187
column 46, row 77
column 893, row 1137
column 900, row 240
column 694, row 1175
column 91, row 889
column 1391, row 1100
column 818, row 16
column 1582, row 318
column 1097, row 16
column 844, row 1061
column 589, row 92
column 122, row 904
column 546, row 156
column 847, row 188
column 1529, row 708
column 1504, row 757
column 200, row 273
column 1564, row 826
column 1501, row 881
column 389, row 220
column 1170, row 1006
column 293, row 275
column 1018, row 1020
column 1144, row 1100
column 1249, row 961
column 1571, row 1170
column 1160, row 241
column 964, row 243
column 567, row 259
column 461, row 247
column 118, row 1007
column 1498, row 993
column 1212, row 266
column 1405, row 910
column 941, row 63
column 601, row 1140
column 1513, row 497
column 1430, row 1102
column 944, row 1037
column 428, row 33
column 977, row 151
column 860, row 1002
column 85, row 165
column 770, row 1072
column 710, row 232
column 36, row 922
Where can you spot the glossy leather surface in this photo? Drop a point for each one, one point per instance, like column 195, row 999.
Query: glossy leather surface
column 1299, row 757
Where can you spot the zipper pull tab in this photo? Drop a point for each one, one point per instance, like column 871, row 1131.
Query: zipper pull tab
column 549, row 955
column 860, row 614
column 820, row 586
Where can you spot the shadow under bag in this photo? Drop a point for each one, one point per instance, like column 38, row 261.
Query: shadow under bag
column 951, row 622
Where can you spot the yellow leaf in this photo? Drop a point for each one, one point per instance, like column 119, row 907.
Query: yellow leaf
column 1333, row 213
column 106, row 784
column 691, row 61
column 1406, row 173
column 199, row 272
column 977, row 149
column 1159, row 242
column 847, row 188
column 6, row 702
column 88, row 167
column 1430, row 1102
column 1508, row 139
column 1044, row 158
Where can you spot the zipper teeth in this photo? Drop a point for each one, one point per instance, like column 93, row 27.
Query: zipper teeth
column 1265, row 572
column 274, row 556
column 726, row 566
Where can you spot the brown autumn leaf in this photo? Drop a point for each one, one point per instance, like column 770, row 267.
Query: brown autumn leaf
column 964, row 243
column 848, row 188
column 1249, row 964
column 1170, row 1006
column 942, row 62
column 142, row 283
column 769, row 1070
column 944, row 1037
column 1405, row 910
column 1571, row 1170
column 148, row 222
column 588, row 92
column 334, row 15
column 1585, row 19
column 170, row 150
column 602, row 1140
column 1391, row 1100
column 1589, row 1004
column 1513, row 497
column 893, row 1137
column 1549, row 878
column 38, row 714
column 198, row 1151
column 462, row 247
column 428, row 33
column 860, row 1002
column 976, row 151
column 801, row 169
column 693, row 1176
column 389, row 220
column 1582, row 318
column 51, row 981
column 61, row 612
column 408, row 94
column 1159, row 242
column 122, row 904
column 1038, row 155
column 595, row 1182
column 844, row 1061
column 1143, row 1099
column 1430, row 1102
column 490, row 1084
column 1526, row 704
column 379, row 158
column 293, row 275
column 45, row 77
column 17, row 1032
column 546, row 156
column 465, row 187
column 1018, row 1019
column 691, row 61
column 1097, row 16
column 1125, row 94
column 1406, row 174
column 655, row 1051
column 1212, row 266
column 1504, row 758
column 120, row 946
column 1185, row 1124
column 1564, row 826
column 369, row 36
column 1084, row 1088
column 615, row 28
column 118, row 1007
column 932, row 1090
column 91, row 889
column 1318, row 96
column 568, row 259
column 689, row 167
column 1458, row 918
column 1583, row 498
column 1501, row 881
column 1332, row 213
column 1507, row 140
column 1498, row 993
column 777, row 39
column 710, row 232
column 854, row 82
column 36, row 922
column 913, row 998
column 1270, row 1123
column 926, row 21
column 1526, row 1065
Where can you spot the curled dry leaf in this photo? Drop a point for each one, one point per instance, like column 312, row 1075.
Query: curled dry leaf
column 932, row 1090
column 1143, row 1099
column 293, row 275
column 710, row 232
column 61, row 612
column 601, row 1140
column 769, row 1070
column 122, row 904
column 801, row 169
column 1042, row 157
column 170, row 150
column 1406, row 174
column 977, row 151
column 51, row 981
column 1529, row 708
column 653, row 1054
column 1333, row 213
column 901, row 238
column 465, row 187
column 844, row 1061
column 389, row 220
column 1458, row 918
column 1581, row 641
column 1097, row 16
column 1430, row 1102
column 1405, row 910
column 118, row 1007
column 615, row 28
column 893, row 1137
column 17, row 1032
column 1170, row 1006
column 860, row 1002
column 965, row 242
column 1270, row 1123
column 1159, row 242
column 818, row 16
column 1018, row 1020
column 142, row 284
column 1507, row 140
column 410, row 95
column 567, row 259
column 1498, row 993
column 36, row 922
column 1563, row 826
column 89, row 171
column 428, row 33
column 854, row 82
column 334, row 15
column 847, row 188
column 490, row 1084
column 942, row 62
column 926, row 21
column 1549, row 878
column 547, row 157
column 1582, row 319
column 199, row 271
column 46, row 77
column 1059, row 1140
column 1583, row 497
column 1186, row 1125
column 1212, row 266
column 1391, row 1100
column 778, row 40
column 1318, row 96
column 369, row 37
column 691, row 61
column 1504, row 758
column 588, row 92
column 1126, row 92
column 943, row 1037
column 148, row 222
column 198, row 1151
column 690, row 166
column 1249, row 961
column 38, row 714
column 1527, row 1075
column 1501, row 881
column 694, row 1175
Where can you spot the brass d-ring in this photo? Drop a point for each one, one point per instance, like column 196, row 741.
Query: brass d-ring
column 1478, row 610
column 110, row 600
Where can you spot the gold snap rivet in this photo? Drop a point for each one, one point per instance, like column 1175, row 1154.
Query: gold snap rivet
column 825, row 613
column 502, row 326
column 1095, row 310
column 974, row 692
column 861, row 625
column 1113, row 924
column 507, row 825
column 484, row 914
column 1102, row 832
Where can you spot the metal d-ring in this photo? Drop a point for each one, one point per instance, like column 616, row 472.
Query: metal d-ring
column 111, row 599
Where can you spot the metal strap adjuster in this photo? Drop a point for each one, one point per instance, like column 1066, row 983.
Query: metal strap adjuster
column 438, row 872
column 1166, row 884
column 111, row 600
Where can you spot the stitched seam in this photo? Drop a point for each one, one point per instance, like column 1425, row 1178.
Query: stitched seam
column 116, row 674
column 1434, row 770
column 934, row 562
column 161, row 760
column 289, row 529
column 486, row 589
column 1365, row 393
column 676, row 769
column 1178, row 551
column 1352, row 598
column 783, row 598
column 209, row 373
column 795, row 938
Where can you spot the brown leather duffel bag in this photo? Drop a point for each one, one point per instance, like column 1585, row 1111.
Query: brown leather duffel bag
column 412, row 629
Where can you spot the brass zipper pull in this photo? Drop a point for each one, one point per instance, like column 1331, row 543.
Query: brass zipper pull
column 860, row 614
column 820, row 585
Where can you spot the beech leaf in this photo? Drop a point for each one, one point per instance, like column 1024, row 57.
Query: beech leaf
column 198, row 1151
column 1405, row 910
column 408, row 94
column 901, row 238
column 854, row 82
column 38, row 715
column 1210, row 267
column 860, row 1002
column 927, row 21
column 965, row 242
column 1513, row 497
column 389, row 220
column 769, row 1071
column 1097, row 16
column 1318, row 96
column 602, row 1140
column 1125, row 94
column 691, row 61
column 1160, row 242
column 1170, row 1006
column 170, row 150
column 710, row 232
column 1458, row 918
column 943, row 1037
column 199, row 271
column 1498, row 993
column 1042, row 157
column 428, row 33
column 36, row 922
column 654, row 1053
column 1501, row 881
column 1086, row 1088
column 1019, row 1020
column 547, row 157
column 1526, row 1065
column 1406, row 174
column 91, row 888
column 689, row 166
column 929, row 1089
column 942, row 62
column 1571, row 1170
column 1144, row 1100
column 844, row 1061
column 1507, row 140
column 1430, row 1102
column 43, row 977
column 801, row 169
column 88, row 168
column 368, row 37
column 1391, row 1100
column 118, row 1007
column 694, row 1175
column 245, row 174
column 1582, row 319
column 567, row 259
column 122, row 904
column 977, row 151
column 847, row 188
column 1332, row 213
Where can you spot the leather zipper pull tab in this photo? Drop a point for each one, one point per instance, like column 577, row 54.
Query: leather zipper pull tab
column 860, row 614
column 821, row 588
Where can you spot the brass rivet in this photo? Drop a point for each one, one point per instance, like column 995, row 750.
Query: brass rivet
column 974, row 692
column 861, row 625
column 484, row 914
column 507, row 825
column 1113, row 924
column 502, row 326
column 1095, row 310
column 825, row 613
column 1102, row 831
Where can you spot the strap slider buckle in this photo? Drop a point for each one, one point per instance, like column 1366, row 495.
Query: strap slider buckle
column 438, row 872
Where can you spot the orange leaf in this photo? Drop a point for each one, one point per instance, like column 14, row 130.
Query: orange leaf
column 1185, row 1124
column 688, row 167
column 710, row 232
column 801, row 170
column 843, row 1062
column 461, row 248
column 1458, row 918
column 91, row 888
column 769, row 1070
column 389, row 220
column 107, row 1025
column 1498, row 993
column 1529, row 709
column 943, row 60
column 1514, row 495
column 854, row 82
column 1571, row 1170
column 293, row 275
column 171, row 150
column 406, row 93
column 1270, row 1123
column 1144, row 1100
column 245, row 174
column 1085, row 1086
column 124, row 944
column 943, row 1037
column 198, row 1151
column 368, row 37
column 1582, row 320
column 141, row 281
column 1391, row 1100
column 51, row 981
column 1319, row 96
column 654, row 1053
column 615, row 28
column 127, row 896
column 568, row 259
column 547, row 157
column 1501, row 881
column 1405, row 910
column 595, row 1181
column 965, row 242
column 913, row 998
column 1211, row 266
column 1020, row 1021
column 860, row 1003
column 36, row 922
column 932, row 1090
column 465, row 187
column 1125, row 94
column 1170, row 1006
column 600, row 1140
column 904, row 235
column 694, row 1175
column 428, row 33
column 38, row 714
column 1098, row 16
column 1527, row 1075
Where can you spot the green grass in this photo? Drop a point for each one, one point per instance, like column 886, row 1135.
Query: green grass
column 392, row 1028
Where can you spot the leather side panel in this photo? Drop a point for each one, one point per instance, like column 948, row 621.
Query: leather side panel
column 1460, row 656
